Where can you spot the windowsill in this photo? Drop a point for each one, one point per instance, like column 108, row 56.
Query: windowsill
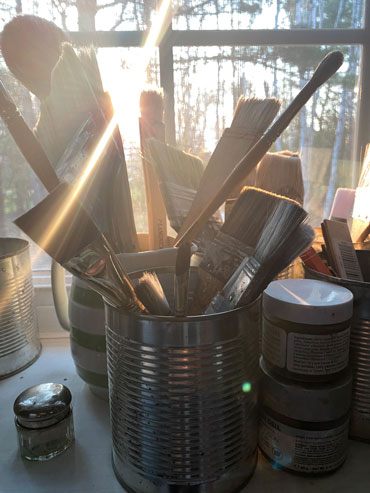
column 86, row 466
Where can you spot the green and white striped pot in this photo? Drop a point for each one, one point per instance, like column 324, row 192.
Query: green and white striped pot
column 82, row 314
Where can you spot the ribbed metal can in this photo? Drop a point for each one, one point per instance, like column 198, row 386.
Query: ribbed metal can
column 19, row 336
column 183, row 399
column 359, row 355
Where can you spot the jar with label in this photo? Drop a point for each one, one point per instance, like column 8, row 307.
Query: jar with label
column 306, row 329
column 44, row 421
column 304, row 427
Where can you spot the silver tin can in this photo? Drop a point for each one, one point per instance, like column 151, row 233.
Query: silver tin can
column 303, row 426
column 19, row 335
column 359, row 354
column 183, row 398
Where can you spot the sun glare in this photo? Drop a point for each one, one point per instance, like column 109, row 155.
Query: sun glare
column 125, row 93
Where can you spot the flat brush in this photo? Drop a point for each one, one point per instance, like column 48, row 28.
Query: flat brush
column 77, row 108
column 179, row 175
column 251, row 118
column 182, row 279
column 26, row 141
column 151, row 125
column 150, row 292
column 283, row 239
column 63, row 229
column 281, row 173
column 327, row 67
column 237, row 238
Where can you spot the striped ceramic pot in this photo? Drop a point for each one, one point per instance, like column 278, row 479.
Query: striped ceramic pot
column 82, row 314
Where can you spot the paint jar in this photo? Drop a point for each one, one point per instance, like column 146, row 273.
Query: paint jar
column 304, row 427
column 44, row 421
column 306, row 329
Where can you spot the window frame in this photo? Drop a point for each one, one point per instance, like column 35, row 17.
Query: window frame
column 246, row 37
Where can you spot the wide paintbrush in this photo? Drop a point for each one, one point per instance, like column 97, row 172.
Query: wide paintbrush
column 327, row 67
column 62, row 228
column 283, row 238
column 251, row 118
column 151, row 125
column 237, row 239
column 70, row 90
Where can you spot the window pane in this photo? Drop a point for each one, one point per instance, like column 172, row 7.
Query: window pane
column 255, row 14
column 322, row 132
column 20, row 189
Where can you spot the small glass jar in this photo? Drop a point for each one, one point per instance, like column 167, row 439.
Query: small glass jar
column 44, row 421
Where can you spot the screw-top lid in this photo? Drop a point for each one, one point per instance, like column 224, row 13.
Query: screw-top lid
column 308, row 301
column 42, row 405
column 319, row 402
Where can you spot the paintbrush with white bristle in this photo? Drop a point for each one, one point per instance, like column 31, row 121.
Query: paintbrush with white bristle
column 251, row 118
column 150, row 292
column 237, row 238
column 284, row 237
column 151, row 125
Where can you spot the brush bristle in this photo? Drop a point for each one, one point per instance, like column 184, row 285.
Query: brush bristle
column 254, row 114
column 150, row 292
column 173, row 165
column 151, row 104
column 281, row 173
column 31, row 47
column 250, row 214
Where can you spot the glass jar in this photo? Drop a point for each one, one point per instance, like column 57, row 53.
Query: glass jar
column 44, row 421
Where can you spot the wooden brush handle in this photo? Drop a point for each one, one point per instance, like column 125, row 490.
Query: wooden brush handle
column 327, row 67
column 157, row 215
column 26, row 141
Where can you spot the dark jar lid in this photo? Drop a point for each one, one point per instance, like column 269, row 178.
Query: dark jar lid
column 42, row 405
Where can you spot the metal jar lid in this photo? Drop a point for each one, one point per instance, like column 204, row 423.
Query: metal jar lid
column 319, row 402
column 42, row 405
column 308, row 301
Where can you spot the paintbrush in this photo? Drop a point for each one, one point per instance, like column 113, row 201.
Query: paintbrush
column 31, row 46
column 63, row 229
column 251, row 118
column 150, row 292
column 281, row 173
column 237, row 238
column 179, row 175
column 78, row 108
column 151, row 125
column 70, row 90
column 182, row 279
column 26, row 141
column 327, row 67
column 284, row 237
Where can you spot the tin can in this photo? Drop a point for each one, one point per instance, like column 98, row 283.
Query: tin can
column 19, row 334
column 183, row 397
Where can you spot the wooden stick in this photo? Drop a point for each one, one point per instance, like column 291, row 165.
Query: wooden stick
column 26, row 141
column 327, row 67
column 151, row 125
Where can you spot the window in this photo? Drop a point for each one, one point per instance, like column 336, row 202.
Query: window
column 212, row 52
